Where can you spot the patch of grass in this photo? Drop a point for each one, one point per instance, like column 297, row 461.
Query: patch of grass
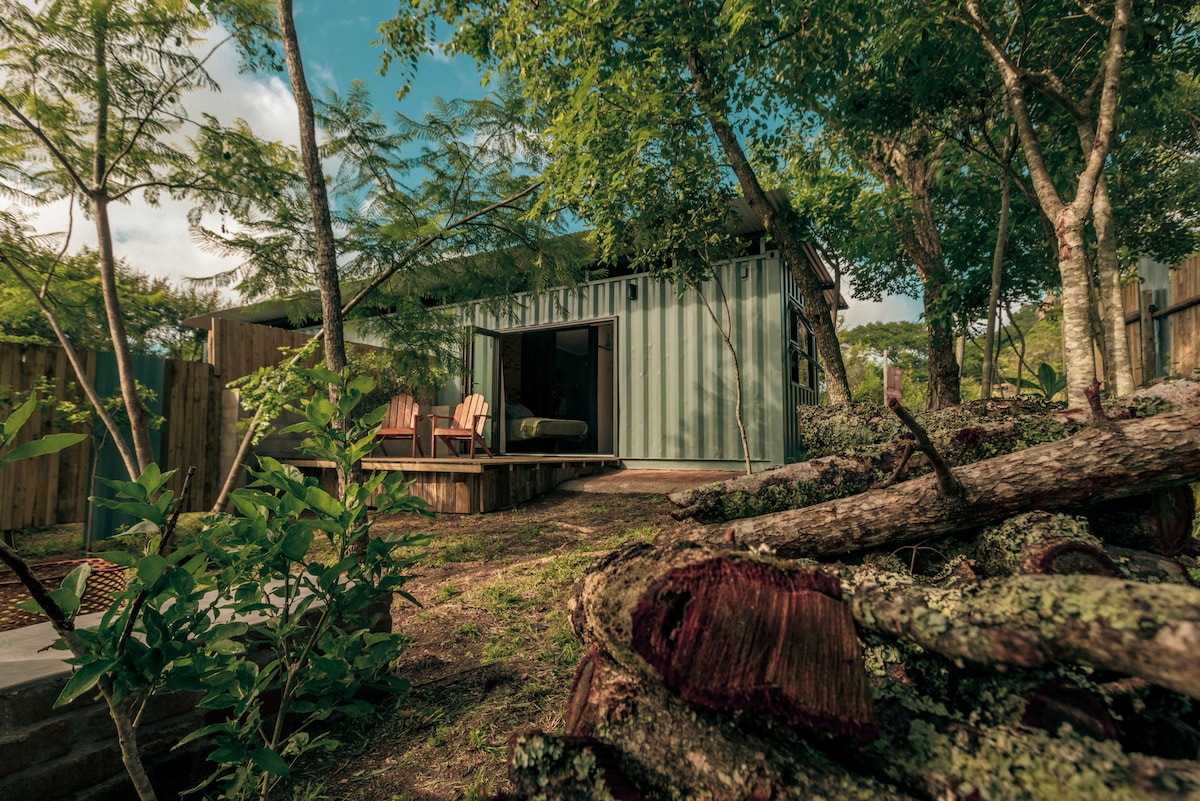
column 499, row 598
column 445, row 593
column 470, row 629
column 645, row 533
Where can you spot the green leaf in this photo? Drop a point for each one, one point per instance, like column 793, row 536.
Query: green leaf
column 323, row 502
column 16, row 421
column 51, row 443
column 319, row 412
column 270, row 761
column 296, row 543
column 76, row 581
column 83, row 679
column 68, row 602
column 150, row 568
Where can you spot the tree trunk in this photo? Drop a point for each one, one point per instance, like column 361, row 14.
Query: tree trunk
column 1068, row 217
column 314, row 177
column 940, row 757
column 782, row 230
column 327, row 268
column 1117, row 460
column 139, row 422
column 787, row 487
column 1117, row 363
column 989, row 337
column 1147, row 630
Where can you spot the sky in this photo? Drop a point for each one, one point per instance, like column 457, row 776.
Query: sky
column 335, row 40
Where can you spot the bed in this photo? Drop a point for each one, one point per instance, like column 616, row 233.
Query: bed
column 521, row 425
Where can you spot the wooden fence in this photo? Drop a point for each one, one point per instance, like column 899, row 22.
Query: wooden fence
column 54, row 489
column 198, row 429
column 1165, row 340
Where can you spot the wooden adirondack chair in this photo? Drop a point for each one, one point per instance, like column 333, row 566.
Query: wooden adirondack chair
column 403, row 414
column 465, row 424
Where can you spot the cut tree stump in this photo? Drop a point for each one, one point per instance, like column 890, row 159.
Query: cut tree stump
column 1120, row 460
column 673, row 751
column 1147, row 630
column 731, row 632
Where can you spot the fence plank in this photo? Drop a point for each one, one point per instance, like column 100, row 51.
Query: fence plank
column 1185, row 325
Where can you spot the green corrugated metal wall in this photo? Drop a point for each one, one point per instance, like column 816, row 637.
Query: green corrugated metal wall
column 675, row 386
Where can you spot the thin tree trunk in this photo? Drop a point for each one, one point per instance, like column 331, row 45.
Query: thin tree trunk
column 127, row 454
column 1117, row 362
column 125, row 726
column 314, row 177
column 139, row 422
column 327, row 268
column 726, row 332
column 989, row 337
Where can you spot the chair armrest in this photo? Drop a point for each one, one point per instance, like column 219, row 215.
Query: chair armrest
column 441, row 417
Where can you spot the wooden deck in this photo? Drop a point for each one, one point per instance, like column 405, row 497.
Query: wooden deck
column 479, row 485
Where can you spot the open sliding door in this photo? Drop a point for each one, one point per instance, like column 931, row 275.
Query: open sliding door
column 482, row 377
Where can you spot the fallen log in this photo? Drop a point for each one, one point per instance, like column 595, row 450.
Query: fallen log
column 546, row 766
column 1147, row 630
column 787, row 487
column 1042, row 543
column 730, row 632
column 939, row 756
column 1138, row 565
column 672, row 751
column 1120, row 460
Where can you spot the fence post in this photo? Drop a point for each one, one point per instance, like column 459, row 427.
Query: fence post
column 1149, row 352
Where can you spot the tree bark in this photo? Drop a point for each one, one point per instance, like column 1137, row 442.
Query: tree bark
column 1147, row 630
column 944, row 758
column 97, row 193
column 1119, row 460
column 1117, row 361
column 1068, row 217
column 912, row 164
column 989, row 337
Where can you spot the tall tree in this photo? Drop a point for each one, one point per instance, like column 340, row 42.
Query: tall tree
column 641, row 94
column 90, row 98
column 1089, row 97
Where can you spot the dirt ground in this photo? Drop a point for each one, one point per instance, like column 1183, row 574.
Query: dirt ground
column 492, row 651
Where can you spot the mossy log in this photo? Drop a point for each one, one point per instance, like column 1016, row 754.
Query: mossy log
column 547, row 767
column 1139, row 565
column 730, row 632
column 1147, row 630
column 672, row 750
column 1042, row 543
column 940, row 756
column 787, row 487
column 1108, row 462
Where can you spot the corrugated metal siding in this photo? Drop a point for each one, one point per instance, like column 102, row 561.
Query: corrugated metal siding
column 675, row 380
